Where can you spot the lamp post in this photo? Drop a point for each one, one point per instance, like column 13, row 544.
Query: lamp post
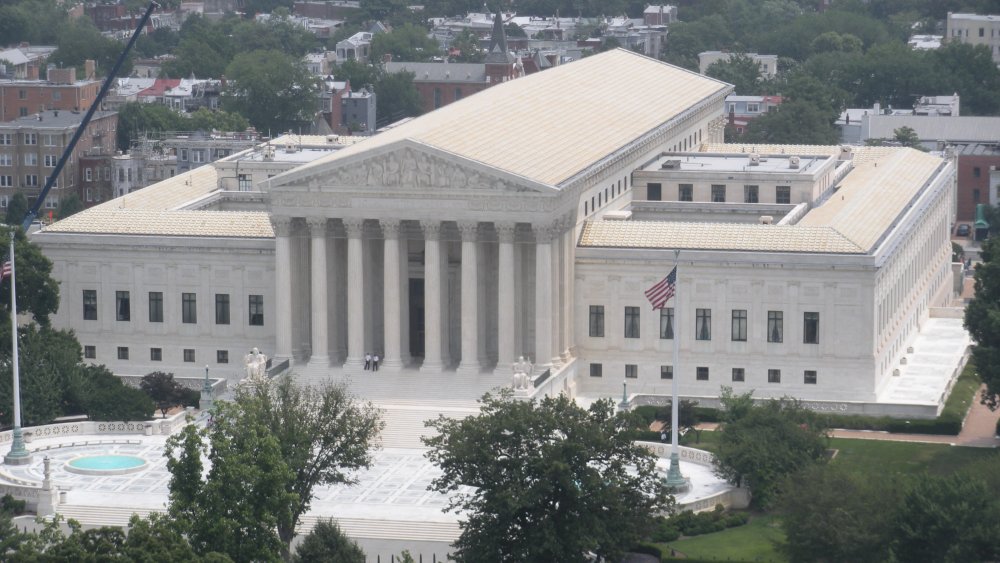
column 675, row 479
column 205, row 402
column 18, row 453
column 624, row 404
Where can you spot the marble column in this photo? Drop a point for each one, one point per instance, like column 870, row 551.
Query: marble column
column 355, row 295
column 392, row 356
column 569, row 281
column 470, row 298
column 283, row 286
column 432, row 296
column 404, row 298
column 318, row 292
column 505, row 299
column 556, row 248
column 543, row 296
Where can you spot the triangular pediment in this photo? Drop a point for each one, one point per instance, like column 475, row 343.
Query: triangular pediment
column 408, row 166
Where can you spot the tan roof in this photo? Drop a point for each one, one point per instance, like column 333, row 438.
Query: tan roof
column 867, row 204
column 874, row 194
column 714, row 236
column 112, row 220
column 549, row 126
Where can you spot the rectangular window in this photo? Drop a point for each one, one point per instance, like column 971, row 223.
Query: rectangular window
column 666, row 372
column 90, row 304
column 751, row 194
column 703, row 324
column 631, row 322
column 156, row 354
column 739, row 325
column 30, row 159
column 739, row 375
column 6, row 139
column 222, row 356
column 753, row 108
column 975, row 195
column 90, row 352
column 184, row 154
column 774, row 376
column 221, row 308
column 50, row 140
column 631, row 371
column 198, row 156
column 701, row 373
column 31, row 180
column 88, row 174
column 976, row 172
column 244, row 182
column 810, row 328
column 718, row 193
column 123, row 352
column 123, row 307
column 156, row 306
column 783, row 194
column 6, row 160
column 437, row 98
column 667, row 323
column 189, row 354
column 31, row 138
column 596, row 370
column 686, row 192
column 50, row 160
column 189, row 308
column 775, row 326
column 256, row 310
column 458, row 94
column 597, row 321
column 809, row 377
column 654, row 192
column 6, row 181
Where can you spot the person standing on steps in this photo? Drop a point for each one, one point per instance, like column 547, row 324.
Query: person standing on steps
column 375, row 363
column 368, row 361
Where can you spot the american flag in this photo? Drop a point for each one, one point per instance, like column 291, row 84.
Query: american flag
column 660, row 293
column 5, row 272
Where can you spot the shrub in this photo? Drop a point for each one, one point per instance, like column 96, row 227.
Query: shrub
column 647, row 413
column 12, row 506
column 708, row 414
column 647, row 549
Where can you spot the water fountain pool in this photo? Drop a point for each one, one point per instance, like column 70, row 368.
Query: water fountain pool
column 106, row 464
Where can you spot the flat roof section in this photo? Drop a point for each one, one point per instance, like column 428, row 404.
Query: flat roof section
column 736, row 162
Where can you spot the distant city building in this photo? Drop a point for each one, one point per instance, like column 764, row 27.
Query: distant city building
column 357, row 115
column 14, row 62
column 925, row 42
column 199, row 148
column 60, row 90
column 945, row 106
column 659, row 15
column 31, row 146
column 335, row 10
column 975, row 29
column 768, row 63
column 355, row 48
column 742, row 110
column 146, row 163
column 95, row 183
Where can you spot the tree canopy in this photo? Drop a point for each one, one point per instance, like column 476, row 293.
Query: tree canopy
column 550, row 480
column 272, row 89
column 410, row 43
column 982, row 320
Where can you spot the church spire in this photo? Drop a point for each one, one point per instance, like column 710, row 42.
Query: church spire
column 498, row 39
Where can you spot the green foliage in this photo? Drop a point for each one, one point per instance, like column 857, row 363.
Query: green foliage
column 272, row 89
column 688, row 523
column 410, row 43
column 396, row 97
column 541, row 471
column 161, row 41
column 831, row 514
column 760, row 445
column 38, row 22
column 37, row 292
column 166, row 392
column 234, row 509
column 326, row 542
column 982, row 320
column 106, row 397
column 17, row 208
column 69, row 205
column 906, row 136
column 796, row 123
column 741, row 71
column 135, row 118
column 467, row 44
column 79, row 40
column 324, row 436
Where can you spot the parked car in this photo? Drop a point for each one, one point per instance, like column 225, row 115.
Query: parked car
column 963, row 230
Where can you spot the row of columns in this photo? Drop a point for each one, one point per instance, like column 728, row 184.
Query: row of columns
column 551, row 339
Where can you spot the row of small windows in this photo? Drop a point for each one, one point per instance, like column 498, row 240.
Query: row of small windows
column 9, row 139
column 602, row 197
column 751, row 193
column 189, row 307
column 156, row 354
column 703, row 324
column 30, row 159
column 701, row 373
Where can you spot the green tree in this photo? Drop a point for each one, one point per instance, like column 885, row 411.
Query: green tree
column 828, row 514
column 326, row 542
column 236, row 507
column 467, row 44
column 165, row 391
column 794, row 123
column 323, row 434
column 410, row 43
column 358, row 74
column 770, row 441
column 69, row 205
column 272, row 89
column 907, row 137
column 550, row 481
column 970, row 71
column 396, row 97
column 37, row 292
column 135, row 118
column 741, row 71
column 79, row 40
column 951, row 519
column 17, row 209
column 982, row 320
column 106, row 397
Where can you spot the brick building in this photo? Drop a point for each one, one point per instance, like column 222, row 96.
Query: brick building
column 974, row 162
column 31, row 146
column 60, row 91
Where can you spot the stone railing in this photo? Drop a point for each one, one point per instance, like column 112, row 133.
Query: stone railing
column 561, row 381
column 732, row 498
column 163, row 426
column 219, row 385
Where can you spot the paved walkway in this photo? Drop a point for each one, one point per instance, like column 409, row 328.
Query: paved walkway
column 979, row 431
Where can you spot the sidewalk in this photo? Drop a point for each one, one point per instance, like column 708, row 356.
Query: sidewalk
column 978, row 432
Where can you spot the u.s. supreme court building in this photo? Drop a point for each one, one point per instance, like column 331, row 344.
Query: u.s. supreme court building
column 529, row 219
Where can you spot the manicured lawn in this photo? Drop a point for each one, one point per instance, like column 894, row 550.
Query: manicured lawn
column 753, row 542
column 876, row 456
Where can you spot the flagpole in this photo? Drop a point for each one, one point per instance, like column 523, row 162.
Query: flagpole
column 675, row 480
column 18, row 453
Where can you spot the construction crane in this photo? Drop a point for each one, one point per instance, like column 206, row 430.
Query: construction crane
column 51, row 180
